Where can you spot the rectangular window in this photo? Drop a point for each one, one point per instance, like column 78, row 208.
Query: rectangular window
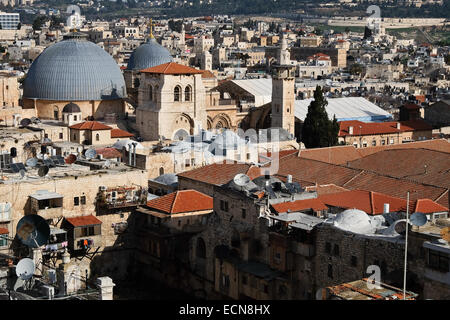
column 61, row 135
column 354, row 261
column 330, row 271
column 83, row 199
column 244, row 213
column 336, row 250
column 374, row 143
column 327, row 247
column 3, row 241
column 76, row 201
column 5, row 160
column 187, row 163
column 383, row 142
column 244, row 280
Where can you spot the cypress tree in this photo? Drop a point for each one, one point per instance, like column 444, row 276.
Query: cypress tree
column 318, row 131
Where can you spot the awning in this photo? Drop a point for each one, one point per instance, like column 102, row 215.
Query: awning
column 83, row 221
column 46, row 195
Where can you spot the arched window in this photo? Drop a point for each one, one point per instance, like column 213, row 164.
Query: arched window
column 150, row 93
column 161, row 171
column 176, row 94
column 56, row 113
column 97, row 137
column 187, row 93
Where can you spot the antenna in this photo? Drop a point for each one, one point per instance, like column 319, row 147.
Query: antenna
column 31, row 162
column 241, row 179
column 43, row 171
column 418, row 219
column 90, row 153
column 33, row 231
column 70, row 159
column 25, row 269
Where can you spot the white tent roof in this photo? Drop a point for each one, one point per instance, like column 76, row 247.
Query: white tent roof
column 352, row 108
column 260, row 88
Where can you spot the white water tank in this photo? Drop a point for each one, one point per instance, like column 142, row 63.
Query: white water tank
column 386, row 208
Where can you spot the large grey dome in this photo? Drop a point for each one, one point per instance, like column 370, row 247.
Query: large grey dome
column 147, row 55
column 74, row 70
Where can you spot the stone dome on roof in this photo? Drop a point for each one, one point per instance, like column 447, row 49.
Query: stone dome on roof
column 74, row 69
column 149, row 54
column 71, row 108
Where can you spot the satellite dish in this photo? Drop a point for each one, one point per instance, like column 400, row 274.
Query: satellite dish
column 90, row 154
column 22, row 173
column 33, row 230
column 445, row 234
column 25, row 122
column 241, row 179
column 31, row 162
column 71, row 158
column 25, row 269
column 400, row 227
column 43, row 171
column 418, row 219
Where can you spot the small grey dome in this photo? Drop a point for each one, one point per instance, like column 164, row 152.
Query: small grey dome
column 147, row 55
column 71, row 108
column 74, row 70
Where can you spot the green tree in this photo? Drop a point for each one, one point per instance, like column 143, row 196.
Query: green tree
column 39, row 22
column 318, row 131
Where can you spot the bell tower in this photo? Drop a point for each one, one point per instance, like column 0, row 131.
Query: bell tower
column 283, row 97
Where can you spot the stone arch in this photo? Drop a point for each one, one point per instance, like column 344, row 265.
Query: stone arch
column 180, row 135
column 209, row 122
column 222, row 121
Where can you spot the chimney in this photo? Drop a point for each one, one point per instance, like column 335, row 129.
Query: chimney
column 398, row 125
column 386, row 208
column 350, row 130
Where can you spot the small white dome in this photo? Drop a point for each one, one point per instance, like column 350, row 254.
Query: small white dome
column 354, row 220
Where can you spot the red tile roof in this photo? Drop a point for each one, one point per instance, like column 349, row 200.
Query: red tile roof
column 300, row 205
column 4, row 231
column 325, row 189
column 372, row 128
column 109, row 153
column 336, row 155
column 182, row 201
column 119, row 133
column 438, row 145
column 207, row 74
column 368, row 201
column 218, row 173
column 83, row 221
column 90, row 125
column 172, row 68
column 421, row 165
column 428, row 206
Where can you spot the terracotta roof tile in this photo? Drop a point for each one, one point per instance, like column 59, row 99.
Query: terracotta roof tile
column 172, row 68
column 300, row 205
column 217, row 173
column 438, row 145
column 119, row 133
column 371, row 128
column 109, row 153
column 428, row 206
column 421, row 165
column 325, row 189
column 90, row 125
column 182, row 201
column 83, row 221
column 335, row 155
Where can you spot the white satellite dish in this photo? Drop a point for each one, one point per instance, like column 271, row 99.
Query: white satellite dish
column 241, row 179
column 25, row 269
